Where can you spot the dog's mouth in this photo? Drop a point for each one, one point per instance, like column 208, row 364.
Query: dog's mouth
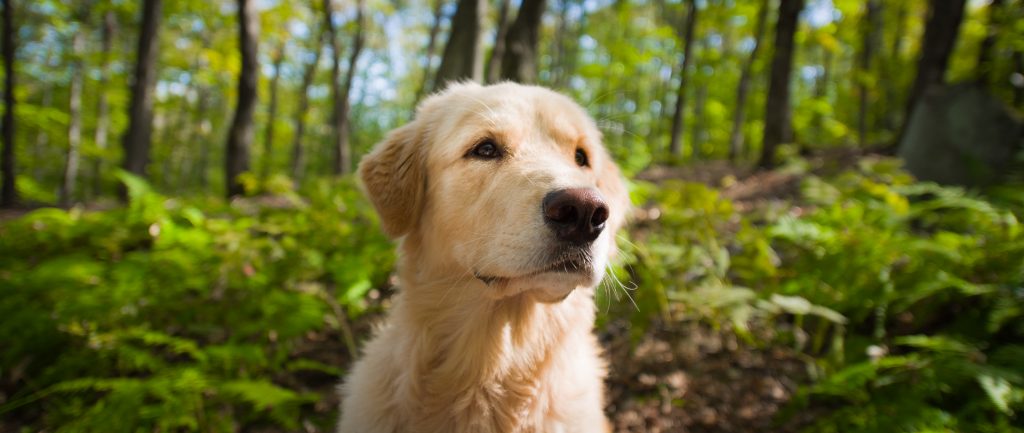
column 574, row 264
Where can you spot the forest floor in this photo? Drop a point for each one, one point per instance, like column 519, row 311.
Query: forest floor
column 689, row 377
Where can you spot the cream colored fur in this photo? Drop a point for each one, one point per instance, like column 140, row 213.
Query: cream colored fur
column 456, row 354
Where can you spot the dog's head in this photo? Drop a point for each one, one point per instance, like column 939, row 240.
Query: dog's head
column 507, row 184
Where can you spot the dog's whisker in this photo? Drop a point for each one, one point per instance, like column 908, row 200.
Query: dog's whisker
column 623, row 286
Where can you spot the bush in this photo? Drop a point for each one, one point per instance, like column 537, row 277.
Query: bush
column 162, row 316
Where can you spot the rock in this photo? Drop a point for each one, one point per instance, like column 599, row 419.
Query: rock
column 961, row 135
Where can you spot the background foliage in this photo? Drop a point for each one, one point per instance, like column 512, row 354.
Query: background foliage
column 180, row 311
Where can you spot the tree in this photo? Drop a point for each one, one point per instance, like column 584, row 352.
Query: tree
column 8, row 190
column 893, row 84
column 102, row 103
column 1018, row 90
column 137, row 138
column 241, row 134
column 70, row 179
column 872, row 28
column 343, row 151
column 675, row 139
column 940, row 34
column 743, row 90
column 777, row 122
column 463, row 58
column 300, row 114
column 519, row 63
column 984, row 68
column 268, row 138
column 494, row 63
column 435, row 28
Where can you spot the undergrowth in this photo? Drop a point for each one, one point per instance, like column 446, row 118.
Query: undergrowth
column 189, row 315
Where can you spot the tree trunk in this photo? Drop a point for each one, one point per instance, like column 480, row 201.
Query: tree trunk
column 201, row 135
column 519, row 63
column 268, row 138
column 463, row 59
column 102, row 104
column 1018, row 89
column 435, row 28
column 241, row 135
column 871, row 30
column 70, row 178
column 985, row 65
column 42, row 141
column 777, row 110
column 940, row 34
column 893, row 83
column 676, row 138
column 821, row 91
column 300, row 114
column 559, row 46
column 8, row 189
column 697, row 130
column 742, row 92
column 343, row 153
column 494, row 63
column 137, row 138
column 332, row 35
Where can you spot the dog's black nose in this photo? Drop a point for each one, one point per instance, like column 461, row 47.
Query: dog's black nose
column 576, row 215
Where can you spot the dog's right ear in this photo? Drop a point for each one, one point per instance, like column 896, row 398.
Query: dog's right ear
column 394, row 176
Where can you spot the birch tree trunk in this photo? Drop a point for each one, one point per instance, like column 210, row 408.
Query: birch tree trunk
column 70, row 178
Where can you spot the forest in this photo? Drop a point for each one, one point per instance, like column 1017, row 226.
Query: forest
column 826, row 237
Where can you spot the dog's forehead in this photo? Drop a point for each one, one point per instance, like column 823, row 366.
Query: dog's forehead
column 513, row 114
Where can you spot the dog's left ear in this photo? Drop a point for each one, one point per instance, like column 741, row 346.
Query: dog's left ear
column 394, row 176
column 613, row 187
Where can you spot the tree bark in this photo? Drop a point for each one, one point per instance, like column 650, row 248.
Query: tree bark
column 559, row 46
column 332, row 35
column 300, row 114
column 70, row 178
column 102, row 104
column 343, row 153
column 268, row 138
column 8, row 189
column 494, row 62
column 138, row 137
column 1018, row 90
column 821, row 91
column 743, row 91
column 985, row 65
column 940, row 34
column 519, row 63
column 697, row 130
column 676, row 138
column 240, row 136
column 201, row 135
column 435, row 28
column 871, row 29
column 777, row 110
column 893, row 83
column 463, row 57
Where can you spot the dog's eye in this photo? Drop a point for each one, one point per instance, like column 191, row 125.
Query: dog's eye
column 581, row 158
column 486, row 149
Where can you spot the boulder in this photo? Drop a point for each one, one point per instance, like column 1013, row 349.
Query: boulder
column 962, row 135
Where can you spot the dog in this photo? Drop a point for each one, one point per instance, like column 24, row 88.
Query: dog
column 505, row 204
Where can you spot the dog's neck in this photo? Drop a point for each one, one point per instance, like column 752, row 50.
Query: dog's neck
column 464, row 336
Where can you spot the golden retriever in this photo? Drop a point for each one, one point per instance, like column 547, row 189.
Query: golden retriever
column 506, row 205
